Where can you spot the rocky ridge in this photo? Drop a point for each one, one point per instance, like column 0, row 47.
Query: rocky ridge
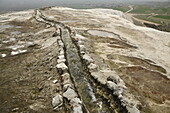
column 105, row 62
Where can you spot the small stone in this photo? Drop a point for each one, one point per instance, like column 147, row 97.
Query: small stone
column 88, row 59
column 61, row 61
column 14, row 53
column 50, row 78
column 75, row 101
column 55, row 81
column 57, row 101
column 15, row 109
column 111, row 85
column 60, row 43
column 48, row 26
column 61, row 52
column 82, row 48
column 92, row 66
column 118, row 91
column 66, row 79
column 61, row 57
column 62, row 68
column 55, row 34
column 3, row 55
column 132, row 109
column 66, row 86
column 76, row 104
column 58, row 38
column 120, row 96
column 61, row 49
column 82, row 53
column 70, row 94
column 115, row 78
column 77, row 109
column 124, row 101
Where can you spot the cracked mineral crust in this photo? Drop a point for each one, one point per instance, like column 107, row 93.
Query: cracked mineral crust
column 122, row 66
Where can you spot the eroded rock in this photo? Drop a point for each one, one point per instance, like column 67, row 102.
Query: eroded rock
column 60, row 43
column 61, row 57
column 82, row 48
column 62, row 68
column 88, row 59
column 76, row 104
column 55, row 81
column 111, row 85
column 70, row 94
column 57, row 101
column 92, row 66
column 66, row 78
column 66, row 86
column 61, row 61
column 132, row 110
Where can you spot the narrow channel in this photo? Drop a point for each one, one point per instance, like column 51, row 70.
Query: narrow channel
column 93, row 102
column 85, row 89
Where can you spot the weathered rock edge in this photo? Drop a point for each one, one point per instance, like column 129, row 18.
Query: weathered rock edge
column 69, row 92
column 112, row 83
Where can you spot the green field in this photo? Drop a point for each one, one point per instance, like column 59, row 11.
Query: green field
column 155, row 14
column 163, row 17
column 148, row 10
column 143, row 9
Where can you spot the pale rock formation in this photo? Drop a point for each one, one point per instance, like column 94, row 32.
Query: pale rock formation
column 70, row 94
column 57, row 101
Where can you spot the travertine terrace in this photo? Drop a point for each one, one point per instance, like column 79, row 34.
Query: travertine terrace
column 64, row 60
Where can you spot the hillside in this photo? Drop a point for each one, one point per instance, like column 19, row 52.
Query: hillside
column 156, row 15
column 63, row 60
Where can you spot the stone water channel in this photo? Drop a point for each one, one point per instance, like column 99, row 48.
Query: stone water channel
column 86, row 87
column 93, row 102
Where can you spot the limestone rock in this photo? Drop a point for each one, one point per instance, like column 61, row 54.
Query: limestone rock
column 70, row 94
column 118, row 91
column 61, row 52
column 92, row 66
column 61, row 57
column 60, row 43
column 111, row 85
column 76, row 104
column 132, row 109
column 66, row 86
column 62, row 68
column 116, row 79
column 66, row 78
column 82, row 53
column 15, row 109
column 88, row 59
column 57, row 101
column 67, row 81
column 61, row 61
column 75, row 101
column 77, row 109
column 55, row 81
column 82, row 48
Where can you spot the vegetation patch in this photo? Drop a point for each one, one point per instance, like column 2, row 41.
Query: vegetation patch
column 163, row 17
column 121, row 9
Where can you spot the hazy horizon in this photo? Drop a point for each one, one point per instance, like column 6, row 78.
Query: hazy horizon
column 9, row 5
